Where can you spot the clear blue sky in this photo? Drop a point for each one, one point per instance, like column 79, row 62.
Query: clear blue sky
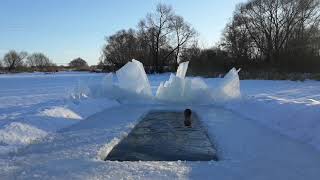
column 66, row 29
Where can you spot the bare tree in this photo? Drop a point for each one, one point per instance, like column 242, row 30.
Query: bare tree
column 155, row 29
column 190, row 53
column 38, row 60
column 182, row 35
column 121, row 48
column 158, row 42
column 14, row 59
column 271, row 23
column 236, row 40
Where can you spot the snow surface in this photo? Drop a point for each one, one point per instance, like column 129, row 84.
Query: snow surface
column 272, row 132
column 35, row 104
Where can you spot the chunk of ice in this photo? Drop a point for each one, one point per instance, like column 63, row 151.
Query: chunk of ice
column 133, row 86
column 133, row 78
column 182, row 69
column 183, row 90
column 230, row 86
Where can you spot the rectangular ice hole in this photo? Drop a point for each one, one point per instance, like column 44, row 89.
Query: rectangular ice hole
column 162, row 136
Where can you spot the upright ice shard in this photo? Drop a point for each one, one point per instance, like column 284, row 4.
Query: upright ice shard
column 182, row 69
column 230, row 87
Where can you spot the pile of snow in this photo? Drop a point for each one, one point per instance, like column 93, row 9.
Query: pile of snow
column 60, row 112
column 17, row 134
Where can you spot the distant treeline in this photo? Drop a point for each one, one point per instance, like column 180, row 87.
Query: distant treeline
column 279, row 36
column 14, row 61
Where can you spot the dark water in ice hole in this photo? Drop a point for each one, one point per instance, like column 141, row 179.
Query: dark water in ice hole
column 162, row 136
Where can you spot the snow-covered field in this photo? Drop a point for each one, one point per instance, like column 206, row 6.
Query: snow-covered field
column 52, row 127
column 34, row 105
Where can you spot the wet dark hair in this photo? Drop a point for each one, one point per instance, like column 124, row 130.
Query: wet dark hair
column 187, row 112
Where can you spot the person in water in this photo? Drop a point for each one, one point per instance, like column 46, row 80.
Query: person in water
column 187, row 117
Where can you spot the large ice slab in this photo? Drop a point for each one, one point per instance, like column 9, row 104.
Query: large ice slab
column 229, row 88
column 133, row 78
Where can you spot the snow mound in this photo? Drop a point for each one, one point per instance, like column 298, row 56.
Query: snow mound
column 17, row 133
column 60, row 112
column 133, row 78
